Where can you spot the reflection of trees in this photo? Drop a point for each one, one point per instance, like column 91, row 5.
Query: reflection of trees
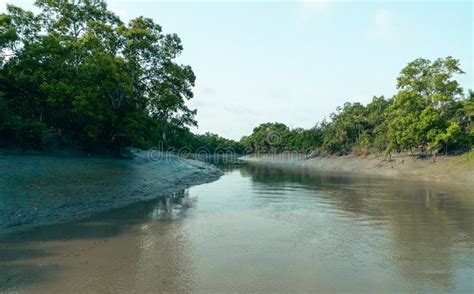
column 146, row 256
column 346, row 193
column 427, row 222
column 424, row 239
column 172, row 206
column 164, row 260
column 225, row 167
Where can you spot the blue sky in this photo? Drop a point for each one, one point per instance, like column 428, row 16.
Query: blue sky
column 295, row 62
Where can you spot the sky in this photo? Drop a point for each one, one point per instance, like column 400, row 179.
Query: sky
column 295, row 61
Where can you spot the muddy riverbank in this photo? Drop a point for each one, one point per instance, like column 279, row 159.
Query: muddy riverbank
column 445, row 169
column 259, row 229
column 42, row 189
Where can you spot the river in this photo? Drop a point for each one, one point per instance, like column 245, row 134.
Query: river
column 259, row 229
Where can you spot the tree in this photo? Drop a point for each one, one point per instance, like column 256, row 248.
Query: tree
column 268, row 137
column 346, row 128
column 377, row 121
column 423, row 110
column 79, row 70
column 468, row 111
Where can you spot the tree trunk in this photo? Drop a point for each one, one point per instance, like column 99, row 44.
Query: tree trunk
column 412, row 155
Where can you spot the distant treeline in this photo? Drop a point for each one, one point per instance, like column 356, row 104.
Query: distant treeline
column 207, row 143
column 76, row 75
column 430, row 113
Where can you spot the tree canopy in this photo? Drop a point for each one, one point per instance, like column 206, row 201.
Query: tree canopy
column 76, row 74
column 76, row 71
column 430, row 112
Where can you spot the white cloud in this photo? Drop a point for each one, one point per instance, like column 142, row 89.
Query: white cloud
column 385, row 26
column 383, row 22
column 308, row 9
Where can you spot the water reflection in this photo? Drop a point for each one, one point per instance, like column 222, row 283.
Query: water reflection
column 136, row 249
column 172, row 206
column 259, row 229
column 430, row 225
column 165, row 255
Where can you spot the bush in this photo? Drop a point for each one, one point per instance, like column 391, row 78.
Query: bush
column 24, row 133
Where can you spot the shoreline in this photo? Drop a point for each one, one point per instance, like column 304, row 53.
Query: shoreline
column 192, row 242
column 43, row 189
column 457, row 169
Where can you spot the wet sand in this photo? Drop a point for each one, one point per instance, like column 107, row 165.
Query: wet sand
column 103, row 254
column 445, row 169
column 49, row 188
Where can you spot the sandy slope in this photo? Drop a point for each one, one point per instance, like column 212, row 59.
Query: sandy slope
column 43, row 189
column 449, row 169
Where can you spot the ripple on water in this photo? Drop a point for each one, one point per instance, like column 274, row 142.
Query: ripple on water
column 272, row 230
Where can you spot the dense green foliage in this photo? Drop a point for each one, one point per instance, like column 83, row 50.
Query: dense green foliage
column 429, row 113
column 213, row 143
column 277, row 137
column 185, row 141
column 76, row 73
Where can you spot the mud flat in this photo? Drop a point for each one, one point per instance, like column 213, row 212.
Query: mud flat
column 44, row 189
column 258, row 229
column 447, row 169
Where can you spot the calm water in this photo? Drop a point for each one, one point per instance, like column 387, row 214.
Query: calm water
column 270, row 230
